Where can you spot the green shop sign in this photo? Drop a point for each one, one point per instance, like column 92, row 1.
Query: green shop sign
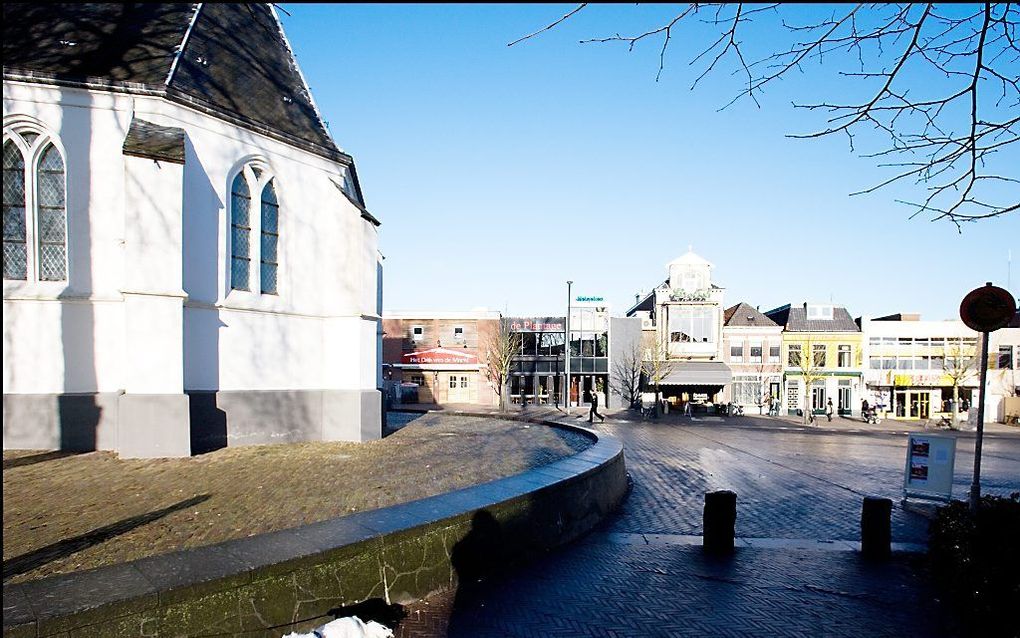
column 583, row 299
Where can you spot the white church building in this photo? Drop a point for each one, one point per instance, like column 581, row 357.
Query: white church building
column 188, row 262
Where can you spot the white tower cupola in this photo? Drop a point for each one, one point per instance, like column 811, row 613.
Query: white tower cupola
column 690, row 272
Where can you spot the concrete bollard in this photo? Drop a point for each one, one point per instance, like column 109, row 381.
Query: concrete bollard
column 875, row 535
column 719, row 521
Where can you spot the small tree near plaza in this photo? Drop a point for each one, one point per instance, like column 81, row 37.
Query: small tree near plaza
column 626, row 376
column 960, row 364
column 760, row 386
column 501, row 346
column 810, row 370
column 656, row 367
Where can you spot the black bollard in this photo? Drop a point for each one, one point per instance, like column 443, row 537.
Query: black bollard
column 875, row 536
column 719, row 521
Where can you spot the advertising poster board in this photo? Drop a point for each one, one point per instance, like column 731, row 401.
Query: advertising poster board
column 929, row 469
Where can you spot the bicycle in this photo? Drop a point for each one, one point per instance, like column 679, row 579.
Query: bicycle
column 944, row 422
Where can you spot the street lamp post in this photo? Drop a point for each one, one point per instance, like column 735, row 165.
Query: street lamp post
column 566, row 390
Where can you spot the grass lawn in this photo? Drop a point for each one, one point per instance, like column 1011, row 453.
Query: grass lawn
column 64, row 513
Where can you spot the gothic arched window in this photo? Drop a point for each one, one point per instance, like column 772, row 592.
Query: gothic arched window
column 270, row 238
column 34, row 207
column 245, row 226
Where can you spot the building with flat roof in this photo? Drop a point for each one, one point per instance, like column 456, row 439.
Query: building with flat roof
column 916, row 368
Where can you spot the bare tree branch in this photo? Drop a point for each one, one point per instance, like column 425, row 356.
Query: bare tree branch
column 531, row 35
column 950, row 137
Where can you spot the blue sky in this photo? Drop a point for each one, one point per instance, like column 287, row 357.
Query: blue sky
column 501, row 172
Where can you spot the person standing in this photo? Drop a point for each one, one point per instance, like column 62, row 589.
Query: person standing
column 828, row 410
column 864, row 409
column 594, row 411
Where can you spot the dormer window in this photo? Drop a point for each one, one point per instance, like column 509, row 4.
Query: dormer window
column 819, row 312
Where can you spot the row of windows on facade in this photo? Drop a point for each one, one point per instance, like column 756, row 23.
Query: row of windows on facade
column 34, row 212
column 923, row 342
column 1003, row 361
column 756, row 350
column 552, row 344
column 35, row 216
column 819, row 353
column 418, row 333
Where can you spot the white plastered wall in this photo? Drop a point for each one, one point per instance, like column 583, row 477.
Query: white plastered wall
column 73, row 345
column 232, row 340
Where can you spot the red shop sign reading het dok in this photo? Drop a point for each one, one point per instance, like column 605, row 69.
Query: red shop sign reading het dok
column 438, row 356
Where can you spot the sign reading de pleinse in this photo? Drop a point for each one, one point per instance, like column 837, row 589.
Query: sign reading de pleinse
column 437, row 356
column 929, row 470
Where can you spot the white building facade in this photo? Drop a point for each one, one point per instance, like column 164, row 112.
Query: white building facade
column 682, row 320
column 915, row 368
column 179, row 275
column 752, row 347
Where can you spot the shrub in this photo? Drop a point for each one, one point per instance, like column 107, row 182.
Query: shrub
column 976, row 561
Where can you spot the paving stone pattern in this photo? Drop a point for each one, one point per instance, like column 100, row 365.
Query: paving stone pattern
column 605, row 589
column 623, row 580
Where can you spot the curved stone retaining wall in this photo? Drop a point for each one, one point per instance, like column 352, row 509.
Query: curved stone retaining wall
column 266, row 582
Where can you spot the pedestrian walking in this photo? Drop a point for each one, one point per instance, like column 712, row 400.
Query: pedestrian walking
column 864, row 409
column 828, row 410
column 594, row 411
column 687, row 408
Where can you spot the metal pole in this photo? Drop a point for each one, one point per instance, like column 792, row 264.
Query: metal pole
column 975, row 487
column 567, row 349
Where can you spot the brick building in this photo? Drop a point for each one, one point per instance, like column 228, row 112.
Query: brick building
column 438, row 356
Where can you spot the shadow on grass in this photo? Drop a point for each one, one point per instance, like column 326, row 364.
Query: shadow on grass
column 63, row 548
column 32, row 459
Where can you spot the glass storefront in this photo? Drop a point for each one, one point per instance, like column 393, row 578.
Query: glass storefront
column 538, row 373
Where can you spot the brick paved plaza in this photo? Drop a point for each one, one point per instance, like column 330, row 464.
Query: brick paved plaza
column 642, row 574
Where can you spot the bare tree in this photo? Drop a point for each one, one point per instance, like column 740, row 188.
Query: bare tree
column 959, row 363
column 656, row 366
column 938, row 82
column 760, row 385
column 626, row 375
column 809, row 366
column 501, row 345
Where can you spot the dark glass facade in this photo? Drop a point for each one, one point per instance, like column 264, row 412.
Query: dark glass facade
column 539, row 370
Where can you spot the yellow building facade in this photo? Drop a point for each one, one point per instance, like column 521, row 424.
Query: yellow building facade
column 822, row 359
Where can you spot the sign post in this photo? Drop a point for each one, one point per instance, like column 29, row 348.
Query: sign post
column 984, row 309
column 566, row 390
column 929, row 469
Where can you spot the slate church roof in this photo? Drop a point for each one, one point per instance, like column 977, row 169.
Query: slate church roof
column 229, row 60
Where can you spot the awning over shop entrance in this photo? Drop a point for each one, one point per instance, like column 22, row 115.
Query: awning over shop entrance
column 699, row 373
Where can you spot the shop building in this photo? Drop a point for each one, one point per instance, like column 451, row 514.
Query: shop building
column 538, row 372
column 916, row 369
column 752, row 348
column 538, row 375
column 438, row 357
column 682, row 321
column 822, row 358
